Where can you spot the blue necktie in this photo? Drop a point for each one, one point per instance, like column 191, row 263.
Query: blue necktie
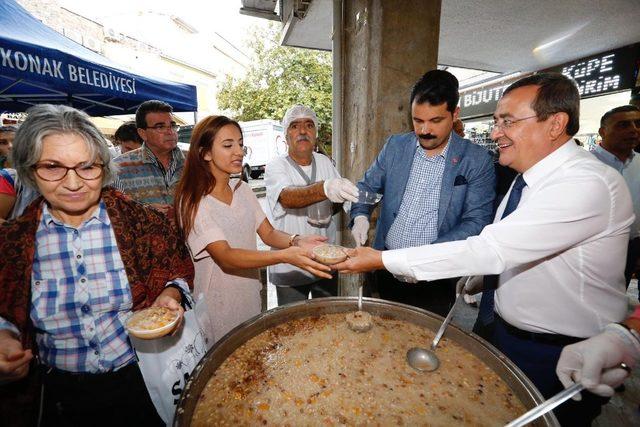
column 491, row 281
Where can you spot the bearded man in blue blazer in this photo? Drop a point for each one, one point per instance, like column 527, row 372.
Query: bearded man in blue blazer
column 436, row 187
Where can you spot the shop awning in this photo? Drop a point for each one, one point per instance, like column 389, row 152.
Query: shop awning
column 38, row 65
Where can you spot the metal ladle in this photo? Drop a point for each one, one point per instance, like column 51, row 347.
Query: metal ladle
column 359, row 321
column 546, row 406
column 554, row 401
column 422, row 359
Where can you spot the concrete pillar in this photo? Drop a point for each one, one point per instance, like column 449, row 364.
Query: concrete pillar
column 386, row 46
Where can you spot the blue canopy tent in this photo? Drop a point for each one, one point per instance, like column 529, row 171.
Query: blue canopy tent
column 38, row 65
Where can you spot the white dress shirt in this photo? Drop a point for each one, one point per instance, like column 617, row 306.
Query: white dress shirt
column 560, row 255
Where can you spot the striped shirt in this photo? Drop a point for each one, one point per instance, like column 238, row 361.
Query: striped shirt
column 143, row 177
column 80, row 296
column 417, row 221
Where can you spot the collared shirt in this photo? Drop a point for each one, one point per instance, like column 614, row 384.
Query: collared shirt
column 560, row 255
column 630, row 170
column 80, row 295
column 417, row 221
column 142, row 175
column 25, row 195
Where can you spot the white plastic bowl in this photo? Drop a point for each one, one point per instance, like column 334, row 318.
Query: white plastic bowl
column 149, row 334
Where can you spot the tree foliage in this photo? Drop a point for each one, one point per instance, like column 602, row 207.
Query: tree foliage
column 277, row 78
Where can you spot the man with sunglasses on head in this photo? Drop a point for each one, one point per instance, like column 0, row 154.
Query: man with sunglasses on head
column 557, row 247
column 151, row 173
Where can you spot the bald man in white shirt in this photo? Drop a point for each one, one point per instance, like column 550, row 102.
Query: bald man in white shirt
column 559, row 255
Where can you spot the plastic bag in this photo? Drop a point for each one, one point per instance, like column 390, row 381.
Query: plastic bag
column 167, row 362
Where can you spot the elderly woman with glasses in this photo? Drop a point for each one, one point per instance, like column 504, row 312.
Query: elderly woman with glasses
column 73, row 268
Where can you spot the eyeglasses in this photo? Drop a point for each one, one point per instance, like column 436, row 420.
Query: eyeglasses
column 507, row 123
column 54, row 172
column 161, row 127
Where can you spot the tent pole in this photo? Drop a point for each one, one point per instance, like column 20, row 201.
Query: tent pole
column 10, row 86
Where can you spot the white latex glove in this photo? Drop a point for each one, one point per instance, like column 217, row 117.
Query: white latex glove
column 586, row 361
column 339, row 190
column 360, row 230
column 473, row 287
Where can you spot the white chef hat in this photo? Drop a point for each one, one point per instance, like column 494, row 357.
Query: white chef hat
column 298, row 112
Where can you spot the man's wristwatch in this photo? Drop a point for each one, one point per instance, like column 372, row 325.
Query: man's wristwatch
column 292, row 238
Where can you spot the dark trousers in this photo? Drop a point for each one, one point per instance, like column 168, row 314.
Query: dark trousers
column 484, row 329
column 538, row 358
column 633, row 253
column 436, row 296
column 117, row 398
column 321, row 288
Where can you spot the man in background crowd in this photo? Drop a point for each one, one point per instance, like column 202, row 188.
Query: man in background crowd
column 151, row 173
column 620, row 133
column 7, row 134
column 127, row 137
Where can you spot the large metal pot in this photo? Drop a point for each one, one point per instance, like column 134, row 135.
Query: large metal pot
column 514, row 378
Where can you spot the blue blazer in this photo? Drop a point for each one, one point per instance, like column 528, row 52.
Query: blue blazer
column 466, row 195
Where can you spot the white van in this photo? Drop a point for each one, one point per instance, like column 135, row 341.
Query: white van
column 265, row 140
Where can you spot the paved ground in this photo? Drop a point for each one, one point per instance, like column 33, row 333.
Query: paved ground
column 623, row 409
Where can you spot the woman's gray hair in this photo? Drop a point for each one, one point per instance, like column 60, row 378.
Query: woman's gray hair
column 46, row 120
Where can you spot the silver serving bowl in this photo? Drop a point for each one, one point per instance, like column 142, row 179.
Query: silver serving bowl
column 521, row 386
